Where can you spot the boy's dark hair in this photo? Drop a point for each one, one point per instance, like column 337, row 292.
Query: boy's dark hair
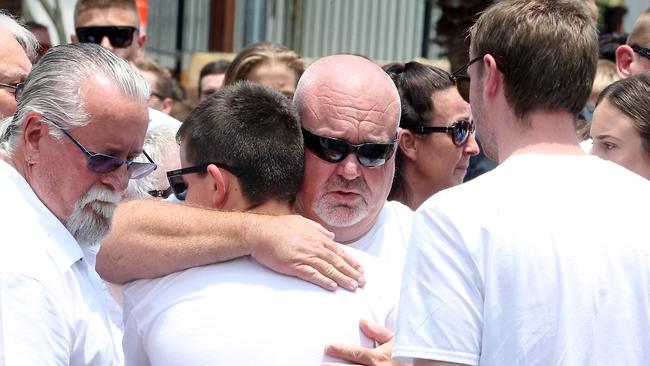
column 254, row 128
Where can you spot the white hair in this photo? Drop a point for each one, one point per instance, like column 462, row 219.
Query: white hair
column 53, row 89
column 160, row 144
column 24, row 37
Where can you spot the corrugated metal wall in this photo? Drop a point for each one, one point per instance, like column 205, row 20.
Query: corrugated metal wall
column 162, row 29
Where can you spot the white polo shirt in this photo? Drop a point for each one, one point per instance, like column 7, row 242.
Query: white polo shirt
column 51, row 312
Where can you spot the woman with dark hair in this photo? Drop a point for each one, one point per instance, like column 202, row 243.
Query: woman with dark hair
column 269, row 64
column 437, row 137
column 620, row 128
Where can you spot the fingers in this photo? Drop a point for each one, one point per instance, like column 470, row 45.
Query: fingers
column 376, row 332
column 343, row 266
column 355, row 354
column 320, row 228
column 310, row 274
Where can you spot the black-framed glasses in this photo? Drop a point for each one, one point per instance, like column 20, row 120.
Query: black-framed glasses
column 461, row 78
column 103, row 163
column 334, row 150
column 645, row 52
column 178, row 185
column 17, row 87
column 458, row 131
column 120, row 36
column 160, row 193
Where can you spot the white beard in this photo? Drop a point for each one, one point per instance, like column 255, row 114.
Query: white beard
column 91, row 218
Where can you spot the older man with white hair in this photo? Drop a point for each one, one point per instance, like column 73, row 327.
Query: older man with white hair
column 66, row 157
column 18, row 46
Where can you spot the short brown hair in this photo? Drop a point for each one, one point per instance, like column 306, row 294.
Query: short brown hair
column 640, row 34
column 548, row 50
column 259, row 54
column 85, row 5
column 164, row 84
column 632, row 97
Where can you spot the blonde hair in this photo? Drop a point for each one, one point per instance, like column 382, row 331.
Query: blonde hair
column 259, row 54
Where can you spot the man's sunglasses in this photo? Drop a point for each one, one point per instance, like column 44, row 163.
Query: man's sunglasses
column 645, row 52
column 334, row 150
column 102, row 163
column 459, row 131
column 120, row 36
column 461, row 78
column 17, row 87
column 178, row 185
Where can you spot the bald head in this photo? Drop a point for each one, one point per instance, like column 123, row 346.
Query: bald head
column 351, row 88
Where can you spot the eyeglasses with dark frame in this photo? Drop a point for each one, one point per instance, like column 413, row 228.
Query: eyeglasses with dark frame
column 459, row 131
column 103, row 163
column 460, row 78
column 334, row 150
column 17, row 87
column 119, row 36
column 645, row 52
column 178, row 185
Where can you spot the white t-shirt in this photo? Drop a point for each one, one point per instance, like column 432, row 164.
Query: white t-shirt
column 158, row 117
column 543, row 261
column 241, row 313
column 50, row 310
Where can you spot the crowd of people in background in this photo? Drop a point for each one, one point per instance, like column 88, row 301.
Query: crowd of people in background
column 320, row 213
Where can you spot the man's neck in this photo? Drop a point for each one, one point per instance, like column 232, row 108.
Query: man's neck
column 270, row 207
column 543, row 132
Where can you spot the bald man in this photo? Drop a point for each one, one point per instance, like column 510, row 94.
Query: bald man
column 350, row 111
column 18, row 45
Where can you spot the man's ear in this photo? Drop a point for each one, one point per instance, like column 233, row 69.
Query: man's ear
column 624, row 57
column 494, row 78
column 219, row 185
column 167, row 105
column 142, row 40
column 407, row 145
column 34, row 129
column 74, row 39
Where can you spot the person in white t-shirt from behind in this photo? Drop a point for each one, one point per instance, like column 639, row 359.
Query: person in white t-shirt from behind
column 242, row 151
column 551, row 263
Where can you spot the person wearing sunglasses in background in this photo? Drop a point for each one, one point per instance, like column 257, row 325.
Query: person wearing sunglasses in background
column 115, row 24
column 242, row 150
column 532, row 273
column 634, row 56
column 437, row 133
column 66, row 158
column 18, row 47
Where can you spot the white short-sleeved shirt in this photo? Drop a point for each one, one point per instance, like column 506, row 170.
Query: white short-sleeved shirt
column 543, row 261
column 50, row 310
column 158, row 118
column 241, row 313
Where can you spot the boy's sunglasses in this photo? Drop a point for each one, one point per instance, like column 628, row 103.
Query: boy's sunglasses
column 459, row 131
column 645, row 52
column 103, row 163
column 120, row 36
column 178, row 185
column 334, row 150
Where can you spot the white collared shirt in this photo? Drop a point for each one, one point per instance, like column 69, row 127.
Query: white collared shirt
column 50, row 309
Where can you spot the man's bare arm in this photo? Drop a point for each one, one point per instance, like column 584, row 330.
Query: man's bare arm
column 152, row 238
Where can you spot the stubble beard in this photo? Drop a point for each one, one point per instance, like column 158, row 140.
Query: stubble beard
column 336, row 213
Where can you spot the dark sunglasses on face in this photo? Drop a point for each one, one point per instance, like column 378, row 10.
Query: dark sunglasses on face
column 459, row 131
column 645, row 52
column 120, row 36
column 461, row 78
column 103, row 163
column 17, row 87
column 178, row 185
column 334, row 150
column 160, row 193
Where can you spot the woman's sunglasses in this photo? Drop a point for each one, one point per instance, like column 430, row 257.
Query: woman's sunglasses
column 178, row 185
column 459, row 131
column 102, row 163
column 334, row 150
column 120, row 36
